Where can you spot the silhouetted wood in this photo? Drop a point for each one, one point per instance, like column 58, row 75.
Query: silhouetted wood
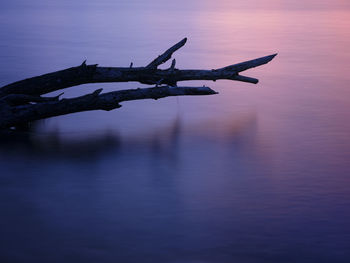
column 21, row 102
column 166, row 55
column 11, row 116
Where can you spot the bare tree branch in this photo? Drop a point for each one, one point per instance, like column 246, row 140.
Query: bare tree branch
column 12, row 116
column 92, row 74
column 19, row 99
column 21, row 102
column 166, row 55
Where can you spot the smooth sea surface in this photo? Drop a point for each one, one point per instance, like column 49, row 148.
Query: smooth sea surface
column 257, row 173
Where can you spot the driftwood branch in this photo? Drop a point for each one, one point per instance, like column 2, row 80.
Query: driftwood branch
column 19, row 99
column 166, row 55
column 84, row 74
column 13, row 116
column 22, row 101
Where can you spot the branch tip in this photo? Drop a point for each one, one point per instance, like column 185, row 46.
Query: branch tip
column 172, row 67
column 166, row 55
column 58, row 96
column 96, row 92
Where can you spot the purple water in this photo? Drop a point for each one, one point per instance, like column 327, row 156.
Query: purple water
column 257, row 173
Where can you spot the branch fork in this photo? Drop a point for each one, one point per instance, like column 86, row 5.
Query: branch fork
column 22, row 102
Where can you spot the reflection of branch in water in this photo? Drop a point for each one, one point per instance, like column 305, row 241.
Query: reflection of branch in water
column 87, row 146
column 241, row 134
column 51, row 145
column 163, row 143
column 230, row 130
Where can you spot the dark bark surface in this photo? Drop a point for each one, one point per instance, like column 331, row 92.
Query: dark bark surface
column 21, row 102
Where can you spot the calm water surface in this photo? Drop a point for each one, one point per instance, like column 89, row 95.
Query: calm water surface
column 257, row 173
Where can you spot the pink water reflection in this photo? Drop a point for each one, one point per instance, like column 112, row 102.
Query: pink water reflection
column 255, row 172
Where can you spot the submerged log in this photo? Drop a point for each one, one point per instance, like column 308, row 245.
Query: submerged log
column 21, row 102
